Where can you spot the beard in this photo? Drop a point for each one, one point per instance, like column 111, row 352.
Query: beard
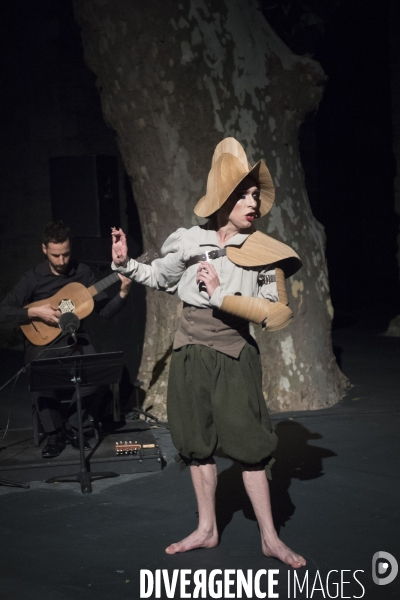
column 61, row 269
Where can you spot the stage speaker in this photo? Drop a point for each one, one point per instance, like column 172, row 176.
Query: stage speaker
column 84, row 193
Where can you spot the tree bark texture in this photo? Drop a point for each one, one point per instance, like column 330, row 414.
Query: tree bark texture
column 175, row 78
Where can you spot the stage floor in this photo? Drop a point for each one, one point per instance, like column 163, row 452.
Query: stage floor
column 335, row 494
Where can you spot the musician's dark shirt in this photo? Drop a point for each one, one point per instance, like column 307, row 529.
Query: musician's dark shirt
column 40, row 283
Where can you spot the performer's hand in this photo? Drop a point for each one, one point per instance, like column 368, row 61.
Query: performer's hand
column 45, row 313
column 209, row 276
column 119, row 248
column 125, row 285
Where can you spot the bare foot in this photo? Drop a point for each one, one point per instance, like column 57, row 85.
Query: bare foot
column 278, row 549
column 197, row 539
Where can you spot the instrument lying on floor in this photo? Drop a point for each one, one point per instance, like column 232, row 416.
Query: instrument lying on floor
column 129, row 448
column 74, row 298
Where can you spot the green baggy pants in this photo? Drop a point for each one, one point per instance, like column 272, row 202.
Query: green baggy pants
column 216, row 401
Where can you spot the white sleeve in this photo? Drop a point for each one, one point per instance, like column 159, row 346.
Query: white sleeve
column 163, row 273
column 218, row 297
column 269, row 291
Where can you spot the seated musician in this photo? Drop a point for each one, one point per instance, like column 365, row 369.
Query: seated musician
column 43, row 281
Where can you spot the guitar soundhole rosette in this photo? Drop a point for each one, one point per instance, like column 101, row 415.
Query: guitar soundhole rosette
column 66, row 306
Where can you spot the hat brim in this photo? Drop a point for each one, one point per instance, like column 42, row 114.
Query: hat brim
column 210, row 203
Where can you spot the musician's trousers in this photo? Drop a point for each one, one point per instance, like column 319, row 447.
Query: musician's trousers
column 47, row 403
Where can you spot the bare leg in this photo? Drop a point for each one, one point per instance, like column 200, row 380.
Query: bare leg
column 204, row 479
column 257, row 488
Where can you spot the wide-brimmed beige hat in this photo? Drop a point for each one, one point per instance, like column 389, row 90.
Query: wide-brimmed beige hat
column 229, row 167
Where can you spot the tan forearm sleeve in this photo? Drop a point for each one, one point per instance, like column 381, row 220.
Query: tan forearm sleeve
column 272, row 315
column 279, row 316
column 252, row 309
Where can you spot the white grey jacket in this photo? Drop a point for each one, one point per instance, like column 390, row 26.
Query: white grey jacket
column 171, row 274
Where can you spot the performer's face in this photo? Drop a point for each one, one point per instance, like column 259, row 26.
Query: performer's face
column 58, row 256
column 243, row 205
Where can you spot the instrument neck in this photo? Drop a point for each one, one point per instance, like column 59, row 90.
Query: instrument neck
column 103, row 284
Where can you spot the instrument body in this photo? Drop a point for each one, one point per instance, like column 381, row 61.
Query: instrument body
column 73, row 297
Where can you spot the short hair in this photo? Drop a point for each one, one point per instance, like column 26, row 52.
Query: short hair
column 56, row 232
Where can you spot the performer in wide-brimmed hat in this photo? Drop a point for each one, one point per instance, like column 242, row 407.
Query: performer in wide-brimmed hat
column 227, row 274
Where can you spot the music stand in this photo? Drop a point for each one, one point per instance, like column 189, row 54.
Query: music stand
column 75, row 371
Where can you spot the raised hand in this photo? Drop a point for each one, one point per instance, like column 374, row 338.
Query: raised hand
column 207, row 274
column 119, row 248
column 45, row 313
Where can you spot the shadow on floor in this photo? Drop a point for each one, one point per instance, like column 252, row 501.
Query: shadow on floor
column 295, row 459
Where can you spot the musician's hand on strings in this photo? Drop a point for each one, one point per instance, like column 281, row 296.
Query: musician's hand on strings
column 119, row 248
column 45, row 313
column 125, row 285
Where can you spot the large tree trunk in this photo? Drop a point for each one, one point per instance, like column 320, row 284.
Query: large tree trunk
column 175, row 78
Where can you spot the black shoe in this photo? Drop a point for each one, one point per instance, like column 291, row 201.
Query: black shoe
column 73, row 439
column 54, row 446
